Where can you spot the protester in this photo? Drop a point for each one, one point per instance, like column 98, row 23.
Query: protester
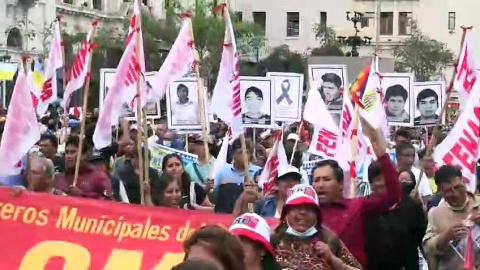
column 39, row 177
column 200, row 169
column 216, row 245
column 405, row 153
column 228, row 184
column 193, row 195
column 254, row 234
column 91, row 183
column 302, row 240
column 196, row 265
column 447, row 222
column 48, row 146
column 394, row 236
column 347, row 217
column 165, row 192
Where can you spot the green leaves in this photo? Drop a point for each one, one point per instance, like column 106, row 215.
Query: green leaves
column 425, row 57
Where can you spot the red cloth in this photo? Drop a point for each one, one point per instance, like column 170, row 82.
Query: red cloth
column 94, row 184
column 347, row 218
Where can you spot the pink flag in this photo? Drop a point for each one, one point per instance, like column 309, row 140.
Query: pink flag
column 179, row 61
column 21, row 129
column 226, row 102
column 79, row 70
column 55, row 61
column 123, row 84
column 275, row 161
column 466, row 72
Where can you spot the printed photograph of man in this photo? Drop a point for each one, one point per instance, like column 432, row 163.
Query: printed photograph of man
column 184, row 110
column 253, row 113
column 396, row 97
column 331, row 91
column 427, row 105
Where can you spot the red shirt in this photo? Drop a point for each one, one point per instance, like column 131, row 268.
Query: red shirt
column 93, row 183
column 347, row 217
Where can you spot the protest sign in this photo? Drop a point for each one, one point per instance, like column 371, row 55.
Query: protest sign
column 44, row 231
column 159, row 151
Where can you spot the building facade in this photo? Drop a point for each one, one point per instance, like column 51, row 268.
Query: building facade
column 291, row 22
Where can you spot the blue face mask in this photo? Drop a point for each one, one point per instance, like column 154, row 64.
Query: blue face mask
column 310, row 232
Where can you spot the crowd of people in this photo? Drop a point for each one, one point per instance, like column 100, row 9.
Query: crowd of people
column 395, row 227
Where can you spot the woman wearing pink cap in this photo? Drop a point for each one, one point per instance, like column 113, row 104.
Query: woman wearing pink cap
column 254, row 234
column 302, row 243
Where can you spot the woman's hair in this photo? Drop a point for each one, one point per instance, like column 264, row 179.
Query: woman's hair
column 412, row 176
column 185, row 181
column 159, row 187
column 255, row 90
column 196, row 265
column 221, row 244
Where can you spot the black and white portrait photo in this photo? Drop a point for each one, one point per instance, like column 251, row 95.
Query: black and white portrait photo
column 428, row 98
column 398, row 89
column 288, row 96
column 330, row 80
column 183, row 105
column 256, row 96
column 152, row 107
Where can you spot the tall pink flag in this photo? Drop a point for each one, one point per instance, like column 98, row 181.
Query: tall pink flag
column 79, row 70
column 226, row 102
column 179, row 61
column 21, row 130
column 125, row 81
column 55, row 61
column 276, row 160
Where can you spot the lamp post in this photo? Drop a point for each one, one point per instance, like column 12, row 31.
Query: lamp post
column 356, row 40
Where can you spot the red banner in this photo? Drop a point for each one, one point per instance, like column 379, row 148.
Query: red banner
column 43, row 231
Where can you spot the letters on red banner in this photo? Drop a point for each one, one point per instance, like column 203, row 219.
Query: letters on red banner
column 44, row 231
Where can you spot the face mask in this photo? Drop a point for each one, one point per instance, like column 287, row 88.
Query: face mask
column 310, row 232
column 407, row 187
column 167, row 143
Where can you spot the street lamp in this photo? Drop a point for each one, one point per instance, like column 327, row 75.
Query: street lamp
column 354, row 40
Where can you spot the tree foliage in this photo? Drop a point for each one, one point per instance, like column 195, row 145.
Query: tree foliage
column 329, row 45
column 425, row 57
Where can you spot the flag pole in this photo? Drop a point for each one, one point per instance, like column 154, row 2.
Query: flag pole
column 138, row 103
column 296, row 142
column 64, row 83
column 145, row 144
column 201, row 102
column 428, row 152
column 84, row 109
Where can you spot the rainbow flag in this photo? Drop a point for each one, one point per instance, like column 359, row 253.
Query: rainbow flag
column 7, row 71
column 357, row 87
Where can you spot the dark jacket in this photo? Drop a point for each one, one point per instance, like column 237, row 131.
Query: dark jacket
column 393, row 238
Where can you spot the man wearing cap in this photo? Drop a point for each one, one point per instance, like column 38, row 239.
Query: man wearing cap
column 199, row 169
column 271, row 205
column 101, row 163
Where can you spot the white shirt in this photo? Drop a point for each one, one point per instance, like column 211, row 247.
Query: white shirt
column 183, row 114
column 424, row 188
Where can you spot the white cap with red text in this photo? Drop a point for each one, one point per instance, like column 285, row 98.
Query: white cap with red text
column 255, row 228
column 302, row 194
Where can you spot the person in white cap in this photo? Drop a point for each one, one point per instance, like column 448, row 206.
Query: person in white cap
column 302, row 243
column 254, row 234
column 271, row 205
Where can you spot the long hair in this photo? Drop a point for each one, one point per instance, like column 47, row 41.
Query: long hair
column 159, row 187
column 185, row 180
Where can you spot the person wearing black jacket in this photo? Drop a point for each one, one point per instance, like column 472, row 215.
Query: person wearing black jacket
column 394, row 237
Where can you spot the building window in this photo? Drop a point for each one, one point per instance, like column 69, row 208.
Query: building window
column 368, row 19
column 239, row 16
column 386, row 23
column 451, row 20
column 68, row 1
column 97, row 4
column 293, row 24
column 145, row 2
column 323, row 19
column 404, row 23
column 260, row 19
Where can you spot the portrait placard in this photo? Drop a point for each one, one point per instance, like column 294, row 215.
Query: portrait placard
column 257, row 103
column 288, row 93
column 398, row 91
column 107, row 76
column 428, row 100
column 330, row 80
column 183, row 105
